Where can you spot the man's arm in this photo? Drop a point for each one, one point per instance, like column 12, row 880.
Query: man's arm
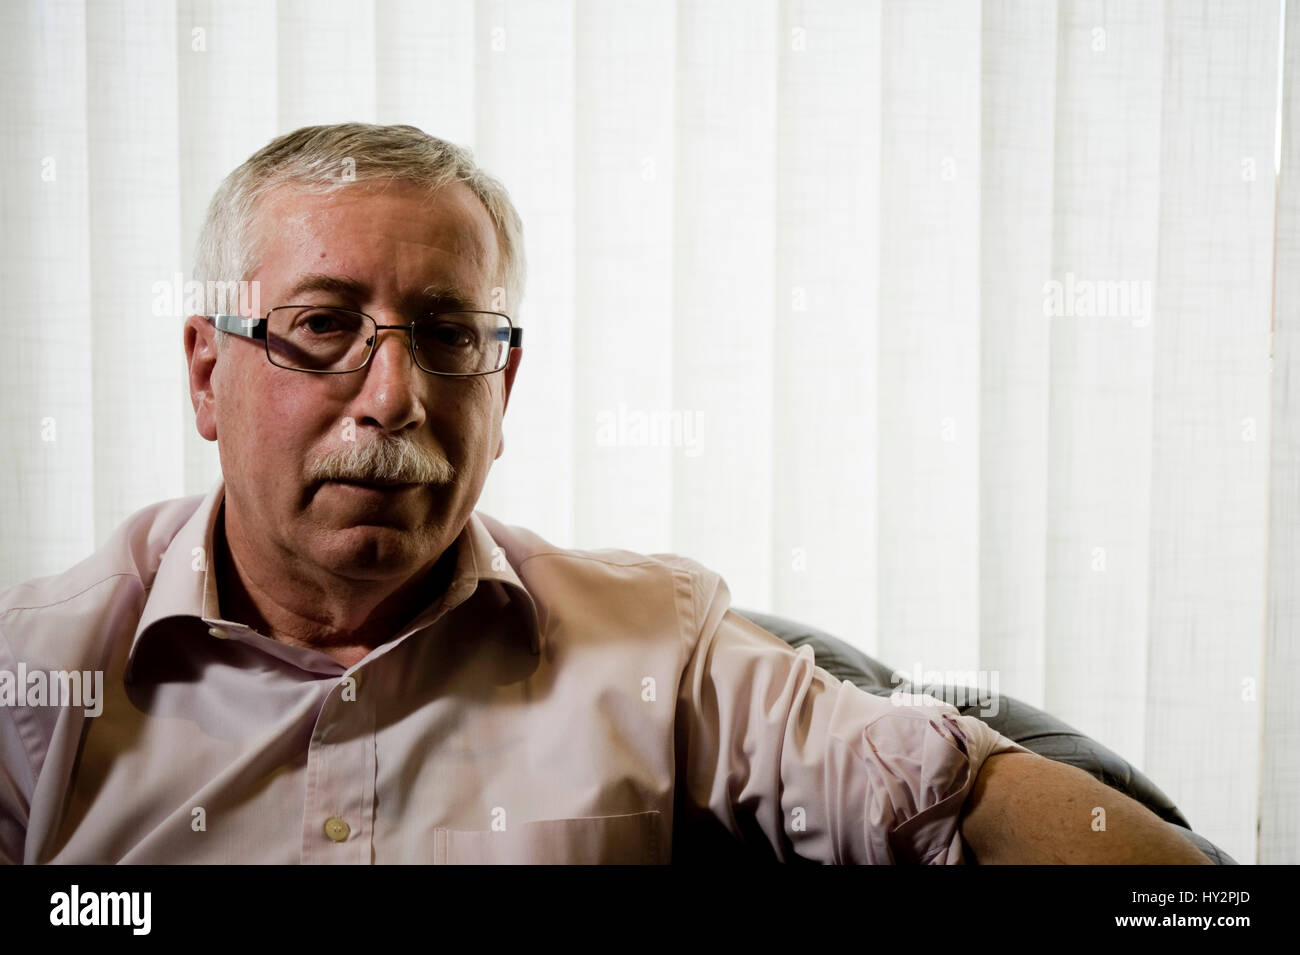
column 1027, row 809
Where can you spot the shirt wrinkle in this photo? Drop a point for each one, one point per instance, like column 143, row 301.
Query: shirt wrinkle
column 54, row 603
column 27, row 750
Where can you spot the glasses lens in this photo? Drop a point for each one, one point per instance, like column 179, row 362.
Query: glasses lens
column 462, row 343
column 311, row 338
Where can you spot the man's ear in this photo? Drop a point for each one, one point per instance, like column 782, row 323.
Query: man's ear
column 201, row 357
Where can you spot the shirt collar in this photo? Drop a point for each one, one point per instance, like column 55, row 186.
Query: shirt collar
column 185, row 585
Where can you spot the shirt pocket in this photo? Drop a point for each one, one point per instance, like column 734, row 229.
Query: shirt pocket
column 627, row 839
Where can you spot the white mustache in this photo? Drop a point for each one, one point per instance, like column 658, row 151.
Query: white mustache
column 396, row 461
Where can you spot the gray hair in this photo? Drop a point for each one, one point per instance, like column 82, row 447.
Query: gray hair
column 325, row 158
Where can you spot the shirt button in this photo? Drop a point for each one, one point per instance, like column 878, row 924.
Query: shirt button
column 218, row 632
column 337, row 829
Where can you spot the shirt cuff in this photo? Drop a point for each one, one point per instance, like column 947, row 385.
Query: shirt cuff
column 953, row 751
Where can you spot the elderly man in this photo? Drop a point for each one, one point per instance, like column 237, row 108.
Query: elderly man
column 333, row 658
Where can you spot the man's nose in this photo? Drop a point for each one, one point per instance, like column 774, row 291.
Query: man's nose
column 392, row 393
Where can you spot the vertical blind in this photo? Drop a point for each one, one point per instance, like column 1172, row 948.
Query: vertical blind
column 965, row 331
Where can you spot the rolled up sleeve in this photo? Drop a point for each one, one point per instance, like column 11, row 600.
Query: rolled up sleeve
column 826, row 771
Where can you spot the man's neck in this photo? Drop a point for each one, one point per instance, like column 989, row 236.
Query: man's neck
column 242, row 600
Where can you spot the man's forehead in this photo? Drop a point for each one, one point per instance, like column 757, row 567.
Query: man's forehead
column 452, row 217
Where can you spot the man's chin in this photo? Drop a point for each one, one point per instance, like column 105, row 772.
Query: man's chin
column 374, row 553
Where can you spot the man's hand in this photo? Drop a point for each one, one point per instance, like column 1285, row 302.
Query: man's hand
column 1027, row 809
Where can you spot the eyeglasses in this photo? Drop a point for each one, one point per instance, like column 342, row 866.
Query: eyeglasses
column 324, row 340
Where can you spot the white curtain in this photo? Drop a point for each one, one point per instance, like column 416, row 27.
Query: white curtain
column 965, row 331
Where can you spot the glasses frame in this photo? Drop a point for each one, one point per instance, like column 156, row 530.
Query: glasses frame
column 257, row 329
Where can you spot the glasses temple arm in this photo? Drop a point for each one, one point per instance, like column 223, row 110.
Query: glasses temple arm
column 239, row 325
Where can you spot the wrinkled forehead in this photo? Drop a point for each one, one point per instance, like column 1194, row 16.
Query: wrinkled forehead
column 296, row 230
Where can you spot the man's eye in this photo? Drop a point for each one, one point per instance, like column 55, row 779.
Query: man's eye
column 319, row 323
column 450, row 335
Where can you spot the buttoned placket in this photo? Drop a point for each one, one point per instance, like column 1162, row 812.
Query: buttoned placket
column 339, row 804
column 342, row 761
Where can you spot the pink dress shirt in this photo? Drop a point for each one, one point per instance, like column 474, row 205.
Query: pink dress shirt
column 551, row 706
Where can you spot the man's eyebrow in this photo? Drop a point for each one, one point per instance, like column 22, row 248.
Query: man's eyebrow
column 317, row 282
column 444, row 297
column 430, row 297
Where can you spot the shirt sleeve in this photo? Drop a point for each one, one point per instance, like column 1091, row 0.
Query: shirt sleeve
column 826, row 771
column 16, row 777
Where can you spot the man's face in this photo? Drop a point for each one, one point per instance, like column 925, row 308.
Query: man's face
column 279, row 432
